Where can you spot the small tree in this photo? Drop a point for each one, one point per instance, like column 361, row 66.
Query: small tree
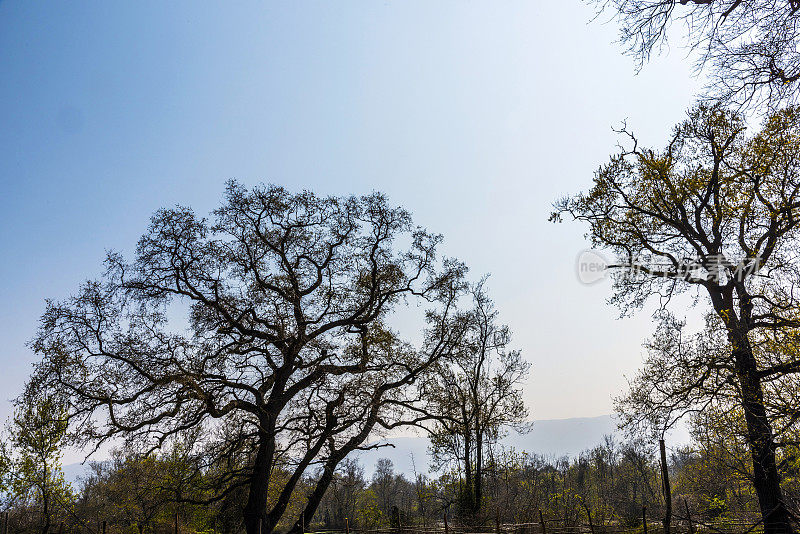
column 384, row 485
column 38, row 430
column 5, row 470
column 128, row 489
column 344, row 496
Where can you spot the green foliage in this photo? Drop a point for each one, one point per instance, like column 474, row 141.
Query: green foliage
column 5, row 467
column 38, row 430
column 369, row 514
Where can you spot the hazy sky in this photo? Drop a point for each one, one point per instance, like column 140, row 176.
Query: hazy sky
column 474, row 115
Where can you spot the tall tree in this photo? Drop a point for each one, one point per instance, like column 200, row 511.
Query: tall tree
column 747, row 48
column 475, row 395
column 385, row 484
column 715, row 211
column 284, row 346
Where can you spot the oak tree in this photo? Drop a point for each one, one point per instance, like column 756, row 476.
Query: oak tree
column 267, row 324
column 716, row 211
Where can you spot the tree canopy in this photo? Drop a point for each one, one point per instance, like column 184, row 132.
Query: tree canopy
column 747, row 48
column 266, row 324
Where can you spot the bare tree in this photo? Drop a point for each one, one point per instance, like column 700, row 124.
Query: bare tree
column 474, row 396
column 284, row 352
column 748, row 48
column 715, row 211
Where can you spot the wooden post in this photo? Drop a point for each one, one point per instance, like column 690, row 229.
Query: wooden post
column 665, row 486
column 589, row 515
column 644, row 519
column 446, row 530
column 688, row 517
column 541, row 522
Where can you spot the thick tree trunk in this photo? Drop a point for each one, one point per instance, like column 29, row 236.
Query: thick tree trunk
column 766, row 479
column 255, row 509
column 307, row 515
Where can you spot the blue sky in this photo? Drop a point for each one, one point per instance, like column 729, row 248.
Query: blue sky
column 474, row 115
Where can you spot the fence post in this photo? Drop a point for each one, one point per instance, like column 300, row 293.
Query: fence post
column 688, row 517
column 644, row 519
column 541, row 522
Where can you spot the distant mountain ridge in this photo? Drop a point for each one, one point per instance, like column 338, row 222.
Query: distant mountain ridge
column 553, row 438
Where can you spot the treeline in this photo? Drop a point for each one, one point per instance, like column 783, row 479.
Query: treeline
column 606, row 486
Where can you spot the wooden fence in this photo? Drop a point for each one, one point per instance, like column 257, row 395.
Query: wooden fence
column 680, row 525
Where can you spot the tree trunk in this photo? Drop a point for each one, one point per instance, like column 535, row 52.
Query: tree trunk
column 315, row 498
column 468, row 476
column 766, row 479
column 478, row 470
column 667, row 489
column 255, row 509
column 45, row 504
column 307, row 515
